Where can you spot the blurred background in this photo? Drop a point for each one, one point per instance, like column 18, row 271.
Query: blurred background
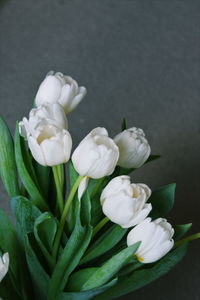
column 139, row 60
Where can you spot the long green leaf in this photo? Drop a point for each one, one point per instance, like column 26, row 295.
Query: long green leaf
column 8, row 170
column 9, row 243
column 85, row 209
column 43, row 177
column 39, row 276
column 45, row 228
column 26, row 214
column 25, row 176
column 162, row 200
column 86, row 295
column 103, row 244
column 140, row 278
column 181, row 230
column 73, row 175
column 69, row 259
column 103, row 274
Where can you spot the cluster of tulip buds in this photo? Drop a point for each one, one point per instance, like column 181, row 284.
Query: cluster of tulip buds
column 97, row 155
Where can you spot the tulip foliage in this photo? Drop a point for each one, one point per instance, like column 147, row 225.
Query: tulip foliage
column 82, row 229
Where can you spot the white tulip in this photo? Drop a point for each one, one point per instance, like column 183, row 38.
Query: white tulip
column 97, row 155
column 50, row 145
column 58, row 88
column 134, row 148
column 43, row 115
column 156, row 239
column 4, row 264
column 124, row 203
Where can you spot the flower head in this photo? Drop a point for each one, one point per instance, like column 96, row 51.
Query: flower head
column 58, row 88
column 124, row 203
column 134, row 148
column 156, row 239
column 43, row 115
column 97, row 154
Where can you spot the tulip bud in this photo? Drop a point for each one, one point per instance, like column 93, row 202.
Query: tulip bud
column 58, row 88
column 50, row 145
column 134, row 149
column 156, row 239
column 97, row 155
column 43, row 115
column 124, row 203
column 4, row 263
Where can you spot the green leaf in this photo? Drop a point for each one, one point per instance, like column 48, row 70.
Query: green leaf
column 27, row 175
column 39, row 277
column 69, row 259
column 77, row 279
column 104, row 243
column 43, row 177
column 181, row 230
column 110, row 268
column 9, row 243
column 86, row 295
column 26, row 214
column 85, row 209
column 8, row 170
column 45, row 228
column 123, row 126
column 162, row 200
column 140, row 278
column 73, row 175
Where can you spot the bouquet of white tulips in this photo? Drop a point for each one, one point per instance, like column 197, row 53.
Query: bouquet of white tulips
column 86, row 232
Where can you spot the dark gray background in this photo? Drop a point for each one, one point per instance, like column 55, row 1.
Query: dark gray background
column 139, row 60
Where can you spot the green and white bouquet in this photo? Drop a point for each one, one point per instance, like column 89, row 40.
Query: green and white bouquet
column 86, row 232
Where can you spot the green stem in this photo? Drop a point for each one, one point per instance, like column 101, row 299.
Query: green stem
column 64, row 216
column 59, row 190
column 99, row 226
column 188, row 239
column 97, row 187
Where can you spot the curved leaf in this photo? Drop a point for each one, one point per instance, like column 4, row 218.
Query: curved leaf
column 86, row 295
column 140, row 278
column 104, row 273
column 103, row 244
column 162, row 201
column 8, row 169
column 27, row 175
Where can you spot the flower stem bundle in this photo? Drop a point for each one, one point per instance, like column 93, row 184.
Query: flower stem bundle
column 88, row 233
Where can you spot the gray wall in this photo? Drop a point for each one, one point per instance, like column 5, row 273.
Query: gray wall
column 139, row 60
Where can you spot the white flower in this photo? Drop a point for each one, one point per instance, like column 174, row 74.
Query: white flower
column 50, row 145
column 124, row 203
column 156, row 239
column 4, row 263
column 58, row 88
column 97, row 154
column 134, row 149
column 43, row 115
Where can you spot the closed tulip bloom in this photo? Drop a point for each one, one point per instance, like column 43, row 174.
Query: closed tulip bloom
column 43, row 115
column 156, row 239
column 97, row 155
column 58, row 88
column 50, row 145
column 124, row 203
column 134, row 148
column 4, row 264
